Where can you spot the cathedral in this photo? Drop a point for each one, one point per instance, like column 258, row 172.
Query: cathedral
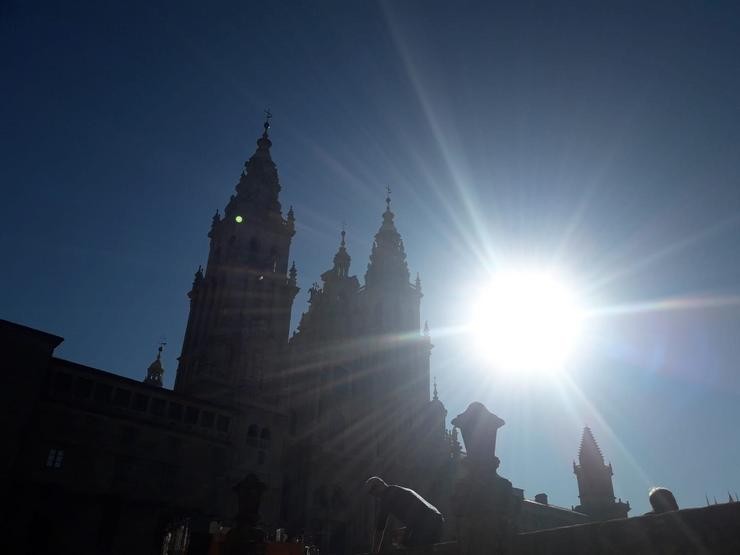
column 100, row 463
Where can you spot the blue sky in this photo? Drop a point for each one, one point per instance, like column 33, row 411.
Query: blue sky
column 599, row 138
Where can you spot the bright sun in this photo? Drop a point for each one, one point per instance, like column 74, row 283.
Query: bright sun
column 526, row 322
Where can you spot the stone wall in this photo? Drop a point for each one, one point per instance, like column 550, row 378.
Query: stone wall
column 707, row 530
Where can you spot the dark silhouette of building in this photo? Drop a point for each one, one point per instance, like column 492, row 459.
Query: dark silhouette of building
column 99, row 463
column 240, row 307
column 595, row 488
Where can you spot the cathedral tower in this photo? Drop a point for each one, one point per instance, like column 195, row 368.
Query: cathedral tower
column 391, row 304
column 595, row 488
column 240, row 306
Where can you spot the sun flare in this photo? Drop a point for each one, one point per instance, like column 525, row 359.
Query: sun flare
column 526, row 322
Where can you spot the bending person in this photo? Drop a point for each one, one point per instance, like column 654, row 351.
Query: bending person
column 422, row 519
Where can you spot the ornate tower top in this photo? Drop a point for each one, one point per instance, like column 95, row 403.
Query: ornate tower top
column 259, row 187
column 388, row 257
column 342, row 259
column 589, row 453
column 595, row 488
column 155, row 371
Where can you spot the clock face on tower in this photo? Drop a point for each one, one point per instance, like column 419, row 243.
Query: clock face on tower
column 239, row 219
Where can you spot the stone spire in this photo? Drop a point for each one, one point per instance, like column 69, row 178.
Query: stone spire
column 387, row 265
column 155, row 371
column 589, row 453
column 259, row 186
column 342, row 259
column 595, row 488
column 435, row 396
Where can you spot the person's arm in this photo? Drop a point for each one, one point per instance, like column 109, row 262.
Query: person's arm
column 379, row 534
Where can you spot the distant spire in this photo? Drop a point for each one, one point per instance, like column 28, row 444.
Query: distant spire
column 268, row 119
column 388, row 197
column 388, row 257
column 155, row 371
column 589, row 451
column 264, row 142
column 435, row 396
column 258, row 188
column 342, row 259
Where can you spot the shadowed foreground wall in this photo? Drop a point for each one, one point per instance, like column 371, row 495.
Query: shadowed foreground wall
column 706, row 530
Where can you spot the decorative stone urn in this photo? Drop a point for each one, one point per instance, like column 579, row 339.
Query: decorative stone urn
column 483, row 504
column 247, row 538
column 479, row 427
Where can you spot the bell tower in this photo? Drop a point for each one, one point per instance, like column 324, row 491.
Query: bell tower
column 240, row 306
column 595, row 488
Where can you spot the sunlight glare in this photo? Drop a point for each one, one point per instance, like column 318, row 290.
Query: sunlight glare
column 526, row 322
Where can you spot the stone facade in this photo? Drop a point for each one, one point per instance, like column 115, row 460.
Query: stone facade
column 99, row 463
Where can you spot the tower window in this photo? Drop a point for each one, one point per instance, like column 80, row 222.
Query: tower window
column 55, row 458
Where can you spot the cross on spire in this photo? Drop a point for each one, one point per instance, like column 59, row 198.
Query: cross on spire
column 268, row 119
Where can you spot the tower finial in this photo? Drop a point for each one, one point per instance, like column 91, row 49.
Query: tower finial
column 155, row 371
column 344, row 233
column 268, row 118
column 388, row 197
column 435, row 397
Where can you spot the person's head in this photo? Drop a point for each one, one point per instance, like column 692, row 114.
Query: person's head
column 375, row 485
column 662, row 500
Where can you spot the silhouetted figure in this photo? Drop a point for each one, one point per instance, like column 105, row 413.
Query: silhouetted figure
column 662, row 501
column 422, row 519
